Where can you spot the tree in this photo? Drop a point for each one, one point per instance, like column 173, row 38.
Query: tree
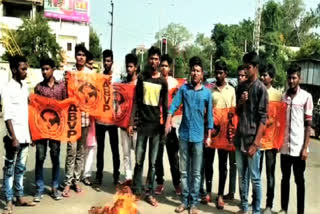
column 94, row 44
column 175, row 33
column 36, row 40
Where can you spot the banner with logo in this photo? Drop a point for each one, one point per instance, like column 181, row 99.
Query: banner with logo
column 273, row 135
column 53, row 119
column 225, row 125
column 123, row 102
column 94, row 93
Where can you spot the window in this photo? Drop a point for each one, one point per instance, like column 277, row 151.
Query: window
column 69, row 46
column 16, row 10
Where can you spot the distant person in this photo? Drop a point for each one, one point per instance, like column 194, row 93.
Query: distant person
column 252, row 105
column 16, row 143
column 151, row 93
column 50, row 88
column 171, row 141
column 197, row 102
column 90, row 61
column 267, row 74
column 241, row 74
column 294, row 151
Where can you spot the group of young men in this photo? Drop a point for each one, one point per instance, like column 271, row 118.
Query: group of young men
column 190, row 155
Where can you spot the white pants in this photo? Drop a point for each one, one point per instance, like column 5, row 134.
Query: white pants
column 128, row 146
column 89, row 154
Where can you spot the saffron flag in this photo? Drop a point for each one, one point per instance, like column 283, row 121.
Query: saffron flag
column 123, row 102
column 225, row 125
column 273, row 135
column 94, row 93
column 53, row 119
column 173, row 92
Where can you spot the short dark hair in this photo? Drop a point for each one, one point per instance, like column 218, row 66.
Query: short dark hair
column 251, row 58
column 294, row 68
column 131, row 58
column 154, row 50
column 195, row 60
column 240, row 68
column 14, row 61
column 268, row 68
column 166, row 57
column 47, row 61
column 89, row 56
column 107, row 53
column 80, row 47
column 221, row 65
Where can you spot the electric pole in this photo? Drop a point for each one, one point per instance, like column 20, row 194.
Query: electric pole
column 257, row 25
column 111, row 24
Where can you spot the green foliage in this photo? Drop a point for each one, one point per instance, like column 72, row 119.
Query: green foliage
column 175, row 33
column 94, row 44
column 311, row 49
column 36, row 40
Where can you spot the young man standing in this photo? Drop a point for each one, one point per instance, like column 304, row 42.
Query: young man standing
column 171, row 141
column 50, row 88
column 15, row 105
column 151, row 93
column 75, row 150
column 197, row 102
column 294, row 151
column 101, row 129
column 252, row 105
column 129, row 135
column 267, row 73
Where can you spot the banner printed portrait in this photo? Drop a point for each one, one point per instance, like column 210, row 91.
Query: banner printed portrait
column 273, row 135
column 123, row 102
column 225, row 125
column 53, row 119
column 94, row 93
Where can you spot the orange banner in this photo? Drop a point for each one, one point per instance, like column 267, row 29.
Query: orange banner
column 94, row 93
column 123, row 101
column 173, row 92
column 225, row 125
column 53, row 119
column 273, row 135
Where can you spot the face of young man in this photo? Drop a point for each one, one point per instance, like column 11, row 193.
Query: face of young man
column 89, row 64
column 250, row 71
column 154, row 62
column 47, row 72
column 266, row 79
column 293, row 80
column 196, row 74
column 131, row 69
column 241, row 76
column 165, row 68
column 220, row 75
column 107, row 63
column 21, row 73
column 81, row 58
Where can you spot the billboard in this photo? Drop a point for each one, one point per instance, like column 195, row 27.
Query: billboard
column 70, row 10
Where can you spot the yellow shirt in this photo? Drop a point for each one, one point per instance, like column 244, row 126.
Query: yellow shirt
column 225, row 97
column 274, row 94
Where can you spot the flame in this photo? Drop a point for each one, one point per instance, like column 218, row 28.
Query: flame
column 124, row 203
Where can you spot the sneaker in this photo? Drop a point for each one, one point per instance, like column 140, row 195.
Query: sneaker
column 282, row 212
column 37, row 198
column 159, row 190
column 267, row 211
column 86, row 181
column 56, row 194
column 228, row 197
column 178, row 190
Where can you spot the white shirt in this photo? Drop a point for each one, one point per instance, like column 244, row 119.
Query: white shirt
column 15, row 108
column 299, row 109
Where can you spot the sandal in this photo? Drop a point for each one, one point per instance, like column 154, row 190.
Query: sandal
column 77, row 188
column 8, row 209
column 66, row 191
column 151, row 200
column 24, row 203
column 180, row 208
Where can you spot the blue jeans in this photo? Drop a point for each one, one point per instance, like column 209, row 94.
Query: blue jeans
column 140, row 152
column 14, row 168
column 190, row 167
column 41, row 152
column 249, row 167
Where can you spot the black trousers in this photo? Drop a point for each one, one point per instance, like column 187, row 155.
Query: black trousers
column 114, row 143
column 172, row 144
column 287, row 162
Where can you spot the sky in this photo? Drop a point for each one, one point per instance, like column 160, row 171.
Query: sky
column 137, row 21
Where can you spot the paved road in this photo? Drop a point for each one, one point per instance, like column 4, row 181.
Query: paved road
column 80, row 203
